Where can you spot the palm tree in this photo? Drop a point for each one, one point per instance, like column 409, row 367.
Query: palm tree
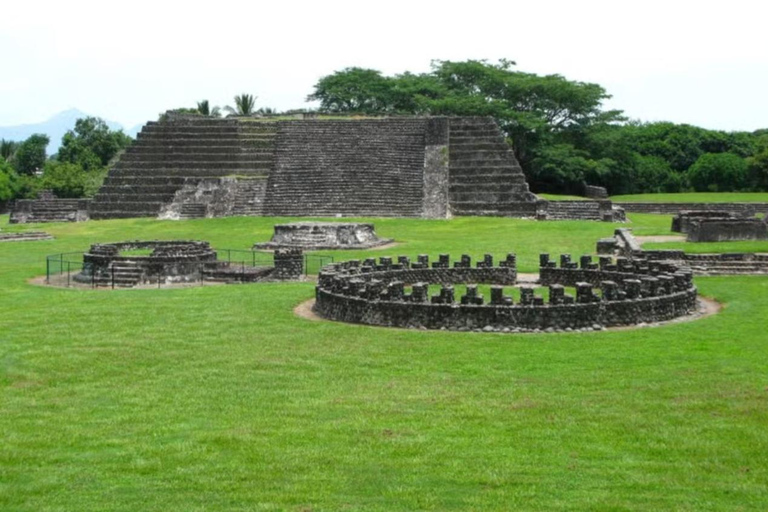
column 245, row 105
column 8, row 148
column 203, row 107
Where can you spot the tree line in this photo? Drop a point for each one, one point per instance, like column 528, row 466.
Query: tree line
column 560, row 132
column 76, row 170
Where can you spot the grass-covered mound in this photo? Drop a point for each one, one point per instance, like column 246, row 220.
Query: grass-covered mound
column 220, row 398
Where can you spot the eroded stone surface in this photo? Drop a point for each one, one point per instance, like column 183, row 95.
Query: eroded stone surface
column 324, row 235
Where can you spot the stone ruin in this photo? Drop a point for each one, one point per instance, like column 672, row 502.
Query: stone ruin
column 311, row 236
column 721, row 230
column 681, row 222
column 624, row 244
column 607, row 294
column 178, row 261
column 719, row 226
column 26, row 236
column 48, row 208
column 595, row 192
column 431, row 167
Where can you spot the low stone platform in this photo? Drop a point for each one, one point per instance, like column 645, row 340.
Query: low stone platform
column 26, row 236
column 137, row 263
column 625, row 245
column 324, row 236
column 723, row 230
column 681, row 223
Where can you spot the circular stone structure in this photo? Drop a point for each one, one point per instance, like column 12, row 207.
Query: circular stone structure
column 611, row 293
column 324, row 236
column 138, row 262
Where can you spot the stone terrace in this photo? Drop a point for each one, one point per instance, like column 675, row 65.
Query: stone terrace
column 166, row 154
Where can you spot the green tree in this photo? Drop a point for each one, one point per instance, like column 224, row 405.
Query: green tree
column 719, row 172
column 92, row 144
column 30, row 155
column 245, row 105
column 8, row 179
column 758, row 170
column 354, row 90
column 204, row 108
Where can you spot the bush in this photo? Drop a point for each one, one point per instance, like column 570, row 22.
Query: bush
column 68, row 180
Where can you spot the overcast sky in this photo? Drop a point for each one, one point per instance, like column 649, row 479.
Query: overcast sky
column 698, row 62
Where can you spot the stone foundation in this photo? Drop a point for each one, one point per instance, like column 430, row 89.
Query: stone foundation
column 48, row 208
column 722, row 230
column 311, row 236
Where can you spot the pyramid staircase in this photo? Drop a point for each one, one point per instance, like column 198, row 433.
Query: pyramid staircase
column 249, row 197
column 565, row 210
column 484, row 175
column 167, row 153
column 192, row 211
column 362, row 167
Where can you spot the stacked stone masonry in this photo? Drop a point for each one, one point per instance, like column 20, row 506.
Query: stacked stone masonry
column 626, row 245
column 720, row 230
column 401, row 167
column 178, row 261
column 323, row 236
column 746, row 209
column 374, row 293
column 48, row 208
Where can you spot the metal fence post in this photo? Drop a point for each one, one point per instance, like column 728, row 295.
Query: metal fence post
column 68, row 269
column 113, row 278
column 47, row 270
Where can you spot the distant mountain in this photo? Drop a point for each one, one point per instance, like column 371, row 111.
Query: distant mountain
column 55, row 128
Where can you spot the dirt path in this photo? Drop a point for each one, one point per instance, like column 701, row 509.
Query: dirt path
column 660, row 238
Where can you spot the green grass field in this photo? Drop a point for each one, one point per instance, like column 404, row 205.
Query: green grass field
column 220, row 398
column 695, row 197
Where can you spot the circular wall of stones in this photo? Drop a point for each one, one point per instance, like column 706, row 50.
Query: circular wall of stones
column 136, row 262
column 607, row 294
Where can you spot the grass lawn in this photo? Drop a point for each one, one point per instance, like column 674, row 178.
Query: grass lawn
column 219, row 398
column 562, row 197
column 695, row 197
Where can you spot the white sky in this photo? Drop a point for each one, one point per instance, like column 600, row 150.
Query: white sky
column 698, row 62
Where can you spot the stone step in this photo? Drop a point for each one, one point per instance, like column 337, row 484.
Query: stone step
column 192, row 211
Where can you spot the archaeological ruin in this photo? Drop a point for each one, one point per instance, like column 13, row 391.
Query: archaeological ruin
column 313, row 236
column 134, row 263
column 48, row 208
column 431, row 167
column 624, row 244
column 607, row 294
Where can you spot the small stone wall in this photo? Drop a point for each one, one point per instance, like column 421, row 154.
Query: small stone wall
column 746, row 209
column 374, row 293
column 25, row 211
column 681, row 222
column 720, row 230
column 324, row 236
column 595, row 192
column 625, row 244
column 289, row 264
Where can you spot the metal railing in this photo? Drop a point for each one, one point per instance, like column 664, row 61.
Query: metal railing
column 70, row 264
